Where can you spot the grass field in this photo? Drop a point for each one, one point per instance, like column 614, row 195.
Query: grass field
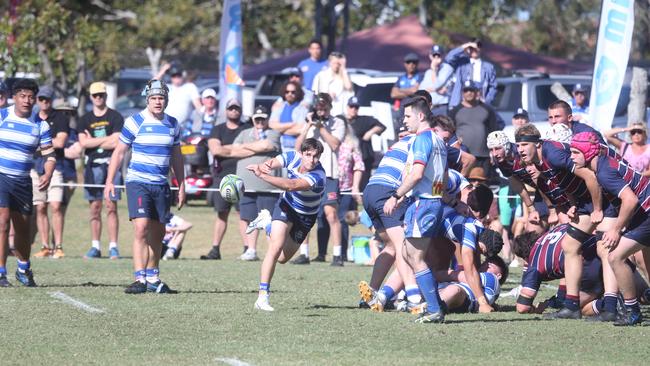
column 212, row 321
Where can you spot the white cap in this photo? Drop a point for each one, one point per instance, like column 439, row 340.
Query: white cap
column 209, row 92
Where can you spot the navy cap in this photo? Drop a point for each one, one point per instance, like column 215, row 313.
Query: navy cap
column 293, row 71
column 469, row 84
column 410, row 57
column 46, row 92
column 353, row 102
column 520, row 113
column 579, row 88
column 437, row 50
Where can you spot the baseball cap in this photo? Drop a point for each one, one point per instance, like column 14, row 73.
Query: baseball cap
column 469, row 84
column 639, row 126
column 45, row 92
column 579, row 88
column 97, row 88
column 260, row 112
column 233, row 103
column 437, row 50
column 294, row 71
column 520, row 113
column 353, row 102
column 411, row 57
column 209, row 92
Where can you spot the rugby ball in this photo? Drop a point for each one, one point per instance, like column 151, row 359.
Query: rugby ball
column 231, row 188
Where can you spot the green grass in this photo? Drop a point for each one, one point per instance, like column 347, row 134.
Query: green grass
column 316, row 319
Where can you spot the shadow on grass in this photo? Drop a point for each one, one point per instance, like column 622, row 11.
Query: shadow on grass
column 85, row 284
column 483, row 320
column 320, row 306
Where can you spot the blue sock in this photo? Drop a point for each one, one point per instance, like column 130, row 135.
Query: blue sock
column 3, row 271
column 429, row 289
column 609, row 302
column 600, row 305
column 388, row 291
column 23, row 266
column 140, row 275
column 264, row 286
column 572, row 302
column 151, row 275
column 268, row 230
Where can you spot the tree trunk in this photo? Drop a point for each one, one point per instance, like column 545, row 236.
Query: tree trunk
column 638, row 92
column 154, row 59
column 46, row 66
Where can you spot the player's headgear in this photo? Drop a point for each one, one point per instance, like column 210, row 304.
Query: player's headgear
column 560, row 132
column 587, row 143
column 156, row 87
column 493, row 242
column 497, row 139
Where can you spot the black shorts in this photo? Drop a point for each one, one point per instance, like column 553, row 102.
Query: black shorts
column 374, row 197
column 152, row 201
column 302, row 223
column 16, row 193
column 592, row 276
column 332, row 194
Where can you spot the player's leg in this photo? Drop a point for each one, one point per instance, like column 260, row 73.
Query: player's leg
column 112, row 227
column 331, row 215
column 4, row 239
column 384, row 261
column 156, row 232
column 22, row 246
column 175, row 245
column 278, row 234
column 222, row 209
column 625, row 278
column 455, row 298
column 248, row 211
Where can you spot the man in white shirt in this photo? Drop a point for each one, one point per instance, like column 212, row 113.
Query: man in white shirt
column 183, row 96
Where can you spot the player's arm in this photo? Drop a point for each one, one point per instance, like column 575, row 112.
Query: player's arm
column 287, row 184
column 519, row 187
column 467, row 160
column 472, row 277
column 414, row 176
column 113, row 166
column 629, row 202
column 110, row 142
column 178, row 166
column 594, row 190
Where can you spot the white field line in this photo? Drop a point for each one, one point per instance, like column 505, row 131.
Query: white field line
column 232, row 361
column 76, row 303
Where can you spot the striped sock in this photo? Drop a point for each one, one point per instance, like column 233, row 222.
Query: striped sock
column 413, row 294
column 3, row 271
column 561, row 293
column 572, row 302
column 264, row 286
column 632, row 305
column 23, row 266
column 609, row 302
column 429, row 288
column 151, row 275
column 597, row 306
column 140, row 275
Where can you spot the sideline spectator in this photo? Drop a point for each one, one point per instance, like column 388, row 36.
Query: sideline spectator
column 4, row 95
column 288, row 119
column 99, row 131
column 470, row 67
column 51, row 198
column 175, row 232
column 334, row 81
column 407, row 84
column 580, row 104
column 637, row 153
column 364, row 127
column 313, row 64
column 204, row 118
column 183, row 95
column 295, row 75
column 440, row 96
column 220, row 143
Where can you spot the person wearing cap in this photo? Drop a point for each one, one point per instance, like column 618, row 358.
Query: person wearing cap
column 220, row 143
column 407, row 84
column 364, row 128
column 636, row 152
column 334, row 81
column 439, row 96
column 289, row 117
column 628, row 191
column 154, row 140
column 183, row 94
column 329, row 131
column 52, row 198
column 98, row 132
column 21, row 134
column 474, row 121
column 313, row 64
column 4, row 95
column 255, row 145
column 580, row 103
column 205, row 118
column 470, row 66
column 295, row 75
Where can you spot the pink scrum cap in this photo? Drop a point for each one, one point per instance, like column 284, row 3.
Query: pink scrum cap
column 587, row 143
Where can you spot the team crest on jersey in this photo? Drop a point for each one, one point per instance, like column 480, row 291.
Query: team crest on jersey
column 171, row 132
column 148, row 129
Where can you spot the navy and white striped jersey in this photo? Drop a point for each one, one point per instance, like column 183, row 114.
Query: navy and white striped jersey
column 456, row 182
column 461, row 229
column 152, row 141
column 391, row 167
column 304, row 202
column 19, row 139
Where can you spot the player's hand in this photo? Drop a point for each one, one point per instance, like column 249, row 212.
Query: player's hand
column 572, row 213
column 390, row 205
column 553, row 218
column 44, row 181
column 109, row 191
column 181, row 196
column 610, row 239
column 485, row 308
column 255, row 169
column 597, row 216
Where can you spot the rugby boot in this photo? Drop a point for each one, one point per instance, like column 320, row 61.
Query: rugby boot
column 631, row 318
column 215, row 254
column 262, row 303
column 301, row 259
column 136, row 287
column 604, row 316
column 26, row 278
column 427, row 317
column 564, row 313
column 4, row 282
column 159, row 287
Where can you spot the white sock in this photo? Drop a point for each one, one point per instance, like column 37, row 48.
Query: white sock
column 96, row 244
column 251, row 250
column 112, row 245
column 304, row 249
column 337, row 251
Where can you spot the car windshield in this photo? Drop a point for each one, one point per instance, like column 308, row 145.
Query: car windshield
column 373, row 93
column 508, row 97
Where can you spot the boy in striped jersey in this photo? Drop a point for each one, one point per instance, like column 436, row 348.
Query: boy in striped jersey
column 295, row 211
column 154, row 138
column 20, row 136
column 629, row 192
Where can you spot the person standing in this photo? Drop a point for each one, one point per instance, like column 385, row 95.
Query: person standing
column 289, row 117
column 20, row 135
column 99, row 131
column 53, row 197
column 407, row 84
column 334, row 81
column 313, row 64
column 205, row 118
column 183, row 95
column 220, row 144
column 440, row 96
column 154, row 138
column 637, row 153
column 470, row 66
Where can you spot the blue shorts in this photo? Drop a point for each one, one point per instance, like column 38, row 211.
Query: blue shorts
column 374, row 197
column 252, row 203
column 639, row 228
column 96, row 174
column 150, row 201
column 423, row 218
column 16, row 193
column 592, row 276
column 302, row 223
column 332, row 193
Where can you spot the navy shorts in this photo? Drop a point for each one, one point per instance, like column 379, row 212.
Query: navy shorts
column 639, row 228
column 150, row 201
column 423, row 218
column 374, row 197
column 252, row 203
column 302, row 223
column 592, row 276
column 16, row 193
column 96, row 174
column 332, row 193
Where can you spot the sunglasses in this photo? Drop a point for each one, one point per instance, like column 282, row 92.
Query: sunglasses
column 99, row 95
column 634, row 132
column 234, row 108
column 411, row 62
column 436, row 55
column 44, row 99
column 290, row 92
column 259, row 120
column 336, row 54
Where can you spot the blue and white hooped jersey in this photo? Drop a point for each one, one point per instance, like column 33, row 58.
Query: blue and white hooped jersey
column 491, row 289
column 461, row 229
column 304, row 202
column 429, row 150
column 456, row 182
column 152, row 142
column 19, row 139
column 391, row 167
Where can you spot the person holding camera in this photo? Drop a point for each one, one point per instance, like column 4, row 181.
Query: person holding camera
column 329, row 131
